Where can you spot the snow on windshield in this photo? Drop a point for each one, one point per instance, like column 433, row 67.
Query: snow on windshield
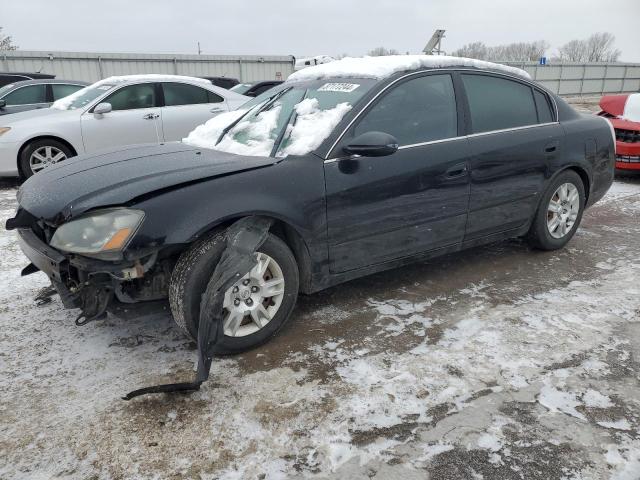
column 384, row 66
column 257, row 135
column 312, row 126
column 632, row 108
column 66, row 102
column 207, row 134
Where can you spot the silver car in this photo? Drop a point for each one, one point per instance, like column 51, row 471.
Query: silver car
column 113, row 112
column 33, row 94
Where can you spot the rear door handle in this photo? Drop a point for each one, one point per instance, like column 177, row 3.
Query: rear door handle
column 151, row 116
column 216, row 110
column 551, row 147
column 456, row 171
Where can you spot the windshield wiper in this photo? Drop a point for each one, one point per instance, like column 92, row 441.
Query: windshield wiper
column 268, row 102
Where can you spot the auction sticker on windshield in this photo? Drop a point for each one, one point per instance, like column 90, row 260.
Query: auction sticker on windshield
column 338, row 87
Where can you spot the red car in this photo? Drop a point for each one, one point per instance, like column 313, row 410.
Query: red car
column 623, row 111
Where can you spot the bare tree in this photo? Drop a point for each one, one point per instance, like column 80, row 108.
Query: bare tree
column 381, row 52
column 512, row 52
column 599, row 47
column 6, row 42
column 476, row 50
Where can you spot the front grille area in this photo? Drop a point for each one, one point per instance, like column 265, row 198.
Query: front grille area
column 627, row 136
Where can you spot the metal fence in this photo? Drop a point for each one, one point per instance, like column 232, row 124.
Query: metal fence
column 584, row 78
column 91, row 67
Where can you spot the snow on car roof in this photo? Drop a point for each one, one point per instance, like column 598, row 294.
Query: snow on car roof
column 150, row 76
column 384, row 66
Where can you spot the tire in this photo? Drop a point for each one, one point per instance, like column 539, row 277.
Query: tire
column 192, row 273
column 39, row 146
column 540, row 234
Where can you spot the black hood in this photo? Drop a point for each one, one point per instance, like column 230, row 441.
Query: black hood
column 117, row 177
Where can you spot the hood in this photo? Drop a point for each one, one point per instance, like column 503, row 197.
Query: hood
column 625, row 107
column 29, row 115
column 613, row 104
column 63, row 191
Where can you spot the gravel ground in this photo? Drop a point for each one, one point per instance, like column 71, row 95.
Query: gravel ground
column 497, row 363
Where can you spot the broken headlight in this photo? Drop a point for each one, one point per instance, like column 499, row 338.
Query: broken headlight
column 102, row 231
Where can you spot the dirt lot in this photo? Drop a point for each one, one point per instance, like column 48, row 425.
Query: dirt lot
column 497, row 363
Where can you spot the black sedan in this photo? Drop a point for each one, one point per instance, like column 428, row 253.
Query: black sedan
column 354, row 167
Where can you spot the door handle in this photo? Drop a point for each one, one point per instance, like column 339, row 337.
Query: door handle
column 456, row 171
column 551, row 147
column 216, row 109
column 151, row 116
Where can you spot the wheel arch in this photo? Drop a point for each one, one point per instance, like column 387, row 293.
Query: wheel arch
column 586, row 180
column 289, row 235
column 42, row 137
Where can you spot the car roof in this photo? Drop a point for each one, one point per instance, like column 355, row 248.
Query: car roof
column 39, row 81
column 385, row 66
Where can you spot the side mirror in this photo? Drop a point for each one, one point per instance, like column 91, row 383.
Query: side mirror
column 3, row 103
column 102, row 108
column 372, row 144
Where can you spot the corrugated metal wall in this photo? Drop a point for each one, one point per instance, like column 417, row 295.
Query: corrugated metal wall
column 585, row 78
column 91, row 67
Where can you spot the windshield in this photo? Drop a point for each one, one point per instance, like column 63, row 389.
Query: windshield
column 82, row 97
column 290, row 119
column 241, row 88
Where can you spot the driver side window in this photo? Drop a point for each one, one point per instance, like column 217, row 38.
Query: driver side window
column 131, row 97
column 419, row 110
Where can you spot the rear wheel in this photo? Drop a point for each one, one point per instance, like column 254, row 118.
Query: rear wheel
column 40, row 154
column 559, row 213
column 255, row 308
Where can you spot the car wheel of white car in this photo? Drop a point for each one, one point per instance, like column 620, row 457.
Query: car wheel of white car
column 40, row 154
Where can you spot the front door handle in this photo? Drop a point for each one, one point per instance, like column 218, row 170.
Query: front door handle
column 216, row 110
column 456, row 171
column 151, row 116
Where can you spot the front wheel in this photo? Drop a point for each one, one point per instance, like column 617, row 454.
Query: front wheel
column 559, row 212
column 40, row 154
column 255, row 308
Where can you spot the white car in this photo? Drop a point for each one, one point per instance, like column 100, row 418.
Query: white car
column 113, row 112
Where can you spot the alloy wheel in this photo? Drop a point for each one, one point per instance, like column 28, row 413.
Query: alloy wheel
column 563, row 210
column 44, row 157
column 252, row 302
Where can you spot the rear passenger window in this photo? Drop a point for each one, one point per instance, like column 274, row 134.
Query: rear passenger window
column 497, row 103
column 419, row 110
column 61, row 90
column 184, row 94
column 542, row 105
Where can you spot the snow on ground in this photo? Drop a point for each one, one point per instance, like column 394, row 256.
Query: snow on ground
column 499, row 362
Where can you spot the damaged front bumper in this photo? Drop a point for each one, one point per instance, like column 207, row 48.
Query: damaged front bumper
column 92, row 284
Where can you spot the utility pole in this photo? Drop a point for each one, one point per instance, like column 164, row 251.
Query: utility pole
column 199, row 51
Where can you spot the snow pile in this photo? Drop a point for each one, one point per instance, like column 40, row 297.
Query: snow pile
column 381, row 67
column 259, row 135
column 207, row 134
column 632, row 108
column 64, row 103
column 313, row 125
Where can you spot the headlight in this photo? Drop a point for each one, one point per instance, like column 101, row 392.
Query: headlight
column 98, row 232
column 4, row 130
